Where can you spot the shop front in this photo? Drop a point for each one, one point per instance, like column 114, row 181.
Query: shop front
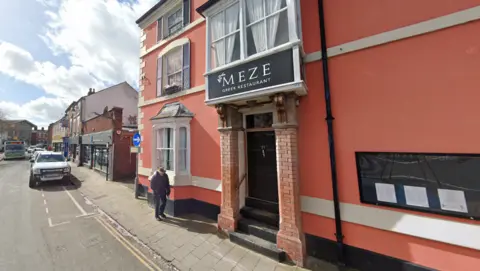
column 96, row 152
column 255, row 83
column 57, row 142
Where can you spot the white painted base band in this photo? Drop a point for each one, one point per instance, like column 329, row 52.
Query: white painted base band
column 185, row 180
column 441, row 230
column 436, row 229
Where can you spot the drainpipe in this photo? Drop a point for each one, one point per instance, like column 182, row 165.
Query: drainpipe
column 331, row 142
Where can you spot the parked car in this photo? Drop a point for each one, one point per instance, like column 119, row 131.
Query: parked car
column 48, row 166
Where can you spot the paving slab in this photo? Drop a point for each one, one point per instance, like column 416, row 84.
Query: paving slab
column 188, row 243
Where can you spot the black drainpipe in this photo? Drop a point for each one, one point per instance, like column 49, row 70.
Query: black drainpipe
column 331, row 142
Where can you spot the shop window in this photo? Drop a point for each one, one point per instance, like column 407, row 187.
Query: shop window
column 245, row 28
column 445, row 184
column 173, row 70
column 174, row 20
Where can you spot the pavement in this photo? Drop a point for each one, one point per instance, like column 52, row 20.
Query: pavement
column 187, row 243
column 52, row 227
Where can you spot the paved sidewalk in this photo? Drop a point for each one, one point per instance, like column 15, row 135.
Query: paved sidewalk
column 189, row 243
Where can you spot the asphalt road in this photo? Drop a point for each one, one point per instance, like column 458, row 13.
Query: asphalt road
column 52, row 228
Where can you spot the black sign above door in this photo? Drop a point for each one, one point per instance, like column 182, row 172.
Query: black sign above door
column 275, row 69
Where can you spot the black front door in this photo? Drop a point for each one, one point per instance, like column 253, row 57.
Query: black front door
column 262, row 166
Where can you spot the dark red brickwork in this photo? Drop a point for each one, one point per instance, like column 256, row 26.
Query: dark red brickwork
column 290, row 238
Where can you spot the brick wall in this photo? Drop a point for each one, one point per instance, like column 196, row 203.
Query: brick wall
column 124, row 161
column 111, row 120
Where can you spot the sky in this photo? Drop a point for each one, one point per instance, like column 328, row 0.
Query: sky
column 53, row 51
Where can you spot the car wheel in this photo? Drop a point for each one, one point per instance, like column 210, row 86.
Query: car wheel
column 31, row 183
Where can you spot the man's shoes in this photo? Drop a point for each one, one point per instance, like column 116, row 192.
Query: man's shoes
column 163, row 216
column 158, row 218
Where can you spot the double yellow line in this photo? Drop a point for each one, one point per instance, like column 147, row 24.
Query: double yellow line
column 135, row 252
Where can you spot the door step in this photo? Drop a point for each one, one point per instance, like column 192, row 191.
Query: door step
column 262, row 204
column 258, row 229
column 260, row 215
column 259, row 245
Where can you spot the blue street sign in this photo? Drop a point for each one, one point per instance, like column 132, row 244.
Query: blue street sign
column 136, row 140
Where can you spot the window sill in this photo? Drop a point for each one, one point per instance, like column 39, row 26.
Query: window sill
column 277, row 49
column 142, row 103
column 172, row 37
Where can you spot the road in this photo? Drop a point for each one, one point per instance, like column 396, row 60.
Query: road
column 52, row 228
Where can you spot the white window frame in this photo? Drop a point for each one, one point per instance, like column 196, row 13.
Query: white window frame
column 168, row 27
column 162, row 148
column 178, row 44
column 293, row 35
column 179, row 50
column 160, row 18
column 175, row 124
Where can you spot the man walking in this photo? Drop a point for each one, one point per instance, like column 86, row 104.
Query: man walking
column 160, row 185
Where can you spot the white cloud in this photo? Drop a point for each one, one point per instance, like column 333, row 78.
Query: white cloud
column 39, row 111
column 99, row 37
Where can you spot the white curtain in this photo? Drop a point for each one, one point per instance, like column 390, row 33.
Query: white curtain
column 231, row 15
column 174, row 65
column 255, row 12
column 218, row 32
column 272, row 23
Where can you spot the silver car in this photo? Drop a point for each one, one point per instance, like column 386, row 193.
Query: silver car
column 48, row 166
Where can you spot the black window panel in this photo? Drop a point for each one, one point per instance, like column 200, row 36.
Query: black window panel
column 264, row 120
column 459, row 172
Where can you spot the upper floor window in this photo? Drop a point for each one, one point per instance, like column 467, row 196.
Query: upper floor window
column 174, row 20
column 244, row 28
column 173, row 70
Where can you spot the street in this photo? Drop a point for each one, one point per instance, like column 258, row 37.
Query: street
column 51, row 227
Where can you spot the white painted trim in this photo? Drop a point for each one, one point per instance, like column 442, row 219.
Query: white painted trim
column 454, row 19
column 207, row 183
column 173, row 37
column 172, row 45
column 142, row 102
column 436, row 229
column 159, row 12
column 144, row 171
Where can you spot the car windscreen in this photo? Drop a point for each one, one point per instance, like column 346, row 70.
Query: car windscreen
column 14, row 147
column 46, row 158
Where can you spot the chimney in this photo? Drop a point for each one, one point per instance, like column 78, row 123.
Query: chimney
column 117, row 116
column 89, row 92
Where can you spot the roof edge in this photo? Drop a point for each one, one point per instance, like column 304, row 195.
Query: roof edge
column 150, row 11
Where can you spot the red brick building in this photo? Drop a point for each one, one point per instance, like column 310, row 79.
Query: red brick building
column 342, row 130
column 39, row 137
column 106, row 146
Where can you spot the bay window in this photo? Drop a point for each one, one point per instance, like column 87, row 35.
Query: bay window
column 165, row 148
column 173, row 70
column 225, row 36
column 171, row 139
column 239, row 29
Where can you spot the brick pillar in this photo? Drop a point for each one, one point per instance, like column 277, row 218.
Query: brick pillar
column 290, row 237
column 227, row 219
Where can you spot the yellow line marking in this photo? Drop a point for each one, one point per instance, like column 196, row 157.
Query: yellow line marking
column 135, row 252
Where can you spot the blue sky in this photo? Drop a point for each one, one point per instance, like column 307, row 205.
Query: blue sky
column 52, row 51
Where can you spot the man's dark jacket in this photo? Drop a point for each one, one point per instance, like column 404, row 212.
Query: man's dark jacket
column 160, row 184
